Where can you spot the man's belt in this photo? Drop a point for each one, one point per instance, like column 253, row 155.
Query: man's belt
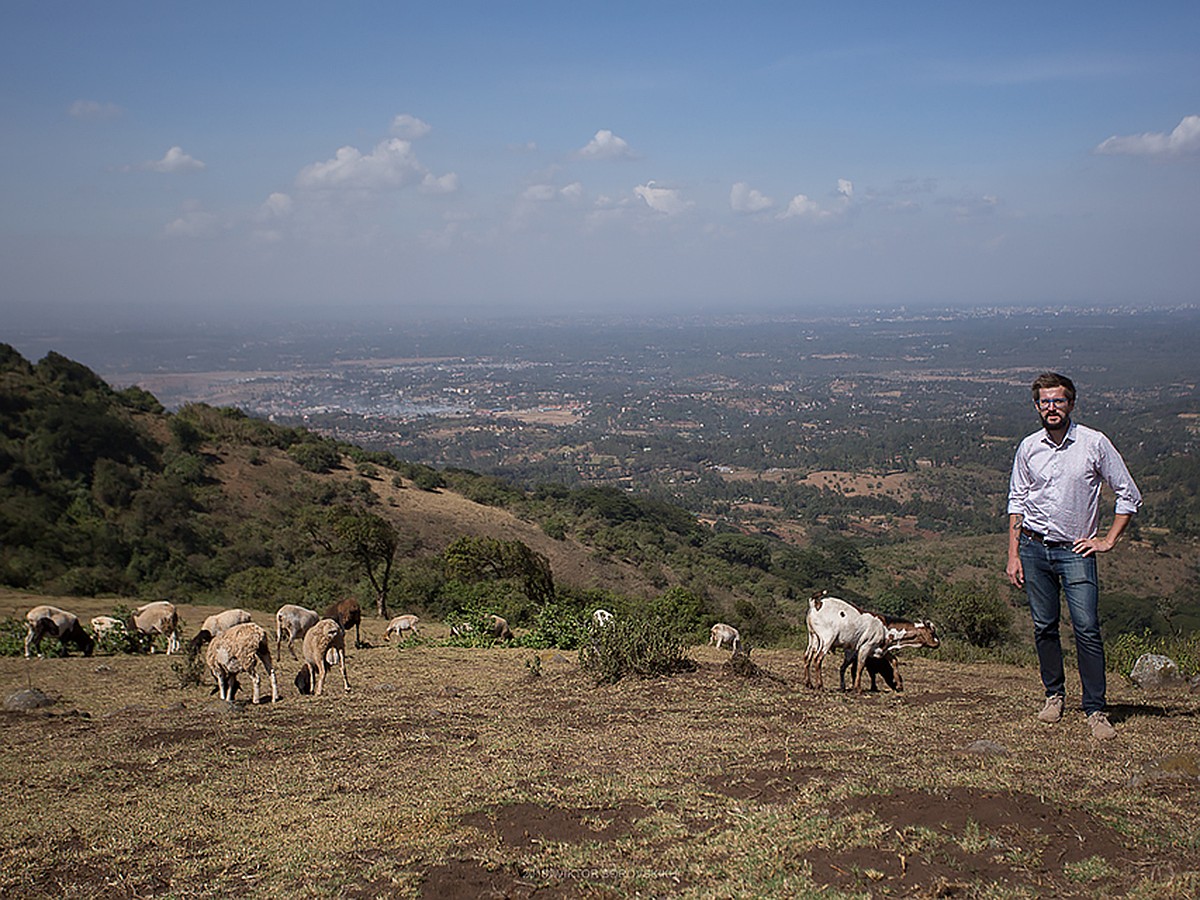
column 1042, row 539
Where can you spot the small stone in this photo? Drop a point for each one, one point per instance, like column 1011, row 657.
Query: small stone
column 30, row 698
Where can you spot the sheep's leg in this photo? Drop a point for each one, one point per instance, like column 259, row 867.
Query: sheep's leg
column 321, row 669
column 345, row 680
column 256, row 678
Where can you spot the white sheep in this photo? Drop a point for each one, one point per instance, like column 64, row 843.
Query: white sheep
column 159, row 617
column 402, row 624
column 721, row 635
column 832, row 622
column 103, row 626
column 327, row 635
column 240, row 649
column 214, row 625
column 50, row 620
column 294, row 621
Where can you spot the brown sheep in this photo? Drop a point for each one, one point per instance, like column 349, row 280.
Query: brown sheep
column 326, row 635
column 347, row 612
column 50, row 620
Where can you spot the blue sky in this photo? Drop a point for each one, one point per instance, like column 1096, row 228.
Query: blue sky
column 197, row 161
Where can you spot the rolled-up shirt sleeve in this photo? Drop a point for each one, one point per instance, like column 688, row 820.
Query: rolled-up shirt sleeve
column 1116, row 475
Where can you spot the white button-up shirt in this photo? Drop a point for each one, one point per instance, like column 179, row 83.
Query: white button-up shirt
column 1056, row 487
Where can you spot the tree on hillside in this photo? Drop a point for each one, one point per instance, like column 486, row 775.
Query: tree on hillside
column 474, row 559
column 369, row 540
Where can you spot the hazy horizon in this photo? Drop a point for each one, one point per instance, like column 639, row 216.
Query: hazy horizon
column 294, row 162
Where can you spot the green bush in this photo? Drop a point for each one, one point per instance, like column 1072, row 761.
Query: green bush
column 12, row 637
column 974, row 612
column 557, row 625
column 1123, row 651
column 633, row 646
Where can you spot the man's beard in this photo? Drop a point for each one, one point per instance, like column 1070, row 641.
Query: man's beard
column 1063, row 420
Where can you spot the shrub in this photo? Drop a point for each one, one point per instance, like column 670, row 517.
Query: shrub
column 556, row 625
column 12, row 637
column 974, row 612
column 1123, row 651
column 634, row 646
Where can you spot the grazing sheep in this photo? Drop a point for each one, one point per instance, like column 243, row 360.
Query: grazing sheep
column 214, row 625
column 402, row 624
column 601, row 617
column 294, row 621
column 722, row 635
column 159, row 617
column 461, row 629
column 499, row 628
column 240, row 649
column 103, row 626
column 347, row 612
column 327, row 635
column 50, row 620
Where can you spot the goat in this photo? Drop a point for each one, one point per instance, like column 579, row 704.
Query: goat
column 323, row 637
column 50, row 620
column 401, row 624
column 347, row 612
column 159, row 617
column 240, row 649
column 294, row 621
column 214, row 625
column 832, row 622
column 601, row 617
column 901, row 634
column 722, row 634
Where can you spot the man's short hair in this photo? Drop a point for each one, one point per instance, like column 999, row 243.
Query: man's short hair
column 1054, row 380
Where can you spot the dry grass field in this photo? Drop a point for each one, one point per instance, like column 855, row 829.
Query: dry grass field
column 449, row 772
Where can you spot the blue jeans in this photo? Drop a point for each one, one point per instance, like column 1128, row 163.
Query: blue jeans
column 1047, row 570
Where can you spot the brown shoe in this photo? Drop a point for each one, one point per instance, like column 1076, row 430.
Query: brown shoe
column 1102, row 730
column 1053, row 709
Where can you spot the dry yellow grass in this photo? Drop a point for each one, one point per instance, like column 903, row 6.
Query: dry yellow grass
column 453, row 772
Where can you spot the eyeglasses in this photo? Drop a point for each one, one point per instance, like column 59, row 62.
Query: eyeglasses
column 1048, row 402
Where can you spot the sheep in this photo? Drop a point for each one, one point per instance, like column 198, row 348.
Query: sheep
column 294, row 621
column 103, row 626
column 159, row 617
column 499, row 628
column 401, row 624
column 323, row 637
column 601, row 617
column 347, row 612
column 901, row 634
column 240, row 649
column 722, row 634
column 50, row 620
column 832, row 622
column 214, row 625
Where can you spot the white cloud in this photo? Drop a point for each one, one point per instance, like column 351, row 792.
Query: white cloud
column 94, row 110
column 410, row 127
column 845, row 187
column 445, row 184
column 174, row 162
column 802, row 207
column 572, row 192
column 195, row 222
column 1184, row 140
column 605, row 145
column 276, row 206
column 663, row 200
column 391, row 164
column 745, row 199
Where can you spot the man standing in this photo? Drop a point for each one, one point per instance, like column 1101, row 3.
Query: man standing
column 1053, row 519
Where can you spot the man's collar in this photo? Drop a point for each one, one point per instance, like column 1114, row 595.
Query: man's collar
column 1068, row 438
